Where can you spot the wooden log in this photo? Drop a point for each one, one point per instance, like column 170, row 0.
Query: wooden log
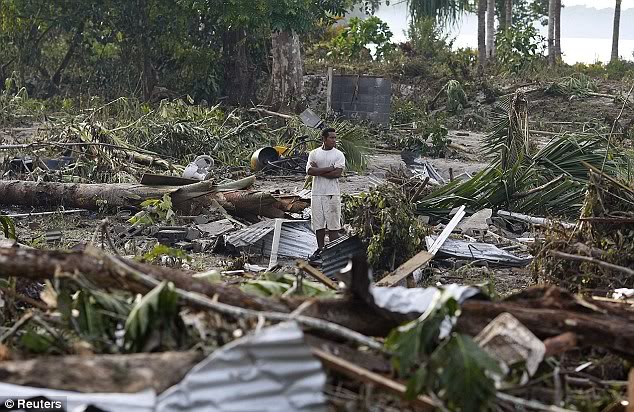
column 549, row 312
column 189, row 199
column 546, row 311
column 560, row 344
column 406, row 269
column 330, row 361
column 38, row 264
column 101, row 373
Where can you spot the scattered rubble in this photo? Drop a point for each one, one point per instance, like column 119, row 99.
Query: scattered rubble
column 197, row 264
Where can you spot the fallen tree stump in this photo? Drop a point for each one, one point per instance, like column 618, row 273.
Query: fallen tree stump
column 101, row 373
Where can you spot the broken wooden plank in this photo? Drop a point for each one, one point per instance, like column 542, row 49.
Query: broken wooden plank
column 406, row 269
column 353, row 371
column 316, row 274
column 444, row 235
column 560, row 344
column 277, row 232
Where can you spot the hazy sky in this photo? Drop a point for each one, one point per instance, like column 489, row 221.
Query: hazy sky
column 599, row 4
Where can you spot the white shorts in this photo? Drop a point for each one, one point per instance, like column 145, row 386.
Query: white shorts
column 325, row 212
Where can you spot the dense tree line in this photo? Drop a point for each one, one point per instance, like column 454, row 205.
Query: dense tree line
column 209, row 49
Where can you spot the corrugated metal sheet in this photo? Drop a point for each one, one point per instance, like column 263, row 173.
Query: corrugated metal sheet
column 336, row 254
column 297, row 241
column 478, row 251
column 415, row 301
column 272, row 370
column 296, row 238
column 249, row 235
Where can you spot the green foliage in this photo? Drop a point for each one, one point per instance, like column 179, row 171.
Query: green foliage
column 275, row 284
column 385, row 222
column 8, row 227
column 555, row 171
column 406, row 110
column 154, row 211
column 456, row 97
column 352, row 41
column 154, row 322
column 156, row 254
column 519, row 47
column 429, row 136
column 36, row 340
column 427, row 38
column 99, row 315
column 443, row 11
column 575, row 85
column 453, row 367
column 16, row 107
column 351, row 140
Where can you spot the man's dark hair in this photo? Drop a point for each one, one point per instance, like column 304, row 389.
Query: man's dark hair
column 326, row 132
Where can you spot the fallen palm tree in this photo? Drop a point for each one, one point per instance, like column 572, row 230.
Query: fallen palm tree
column 549, row 181
column 190, row 199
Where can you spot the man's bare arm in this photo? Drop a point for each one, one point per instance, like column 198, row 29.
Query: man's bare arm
column 336, row 173
column 320, row 171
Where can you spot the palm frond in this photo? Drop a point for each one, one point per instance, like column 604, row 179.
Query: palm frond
column 351, row 140
column 443, row 11
column 578, row 84
column 552, row 181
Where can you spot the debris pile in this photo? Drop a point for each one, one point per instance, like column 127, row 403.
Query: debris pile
column 198, row 270
column 594, row 256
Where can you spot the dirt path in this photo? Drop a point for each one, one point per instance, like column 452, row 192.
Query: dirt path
column 379, row 164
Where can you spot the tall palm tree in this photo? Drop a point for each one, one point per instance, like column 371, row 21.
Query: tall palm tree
column 482, row 50
column 557, row 30
column 508, row 13
column 449, row 12
column 490, row 29
column 552, row 4
column 615, row 32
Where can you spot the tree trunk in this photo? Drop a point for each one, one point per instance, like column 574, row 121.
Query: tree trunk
column 546, row 311
column 75, row 41
column 615, row 32
column 190, row 199
column 38, row 264
column 482, row 51
column 287, row 73
column 239, row 76
column 508, row 13
column 558, row 31
column 491, row 29
column 148, row 73
column 551, row 32
column 102, row 373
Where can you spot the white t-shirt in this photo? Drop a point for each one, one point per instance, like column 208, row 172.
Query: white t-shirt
column 323, row 186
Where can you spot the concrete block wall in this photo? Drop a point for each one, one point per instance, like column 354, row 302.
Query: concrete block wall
column 361, row 97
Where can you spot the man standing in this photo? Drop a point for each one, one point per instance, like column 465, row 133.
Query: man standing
column 325, row 164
